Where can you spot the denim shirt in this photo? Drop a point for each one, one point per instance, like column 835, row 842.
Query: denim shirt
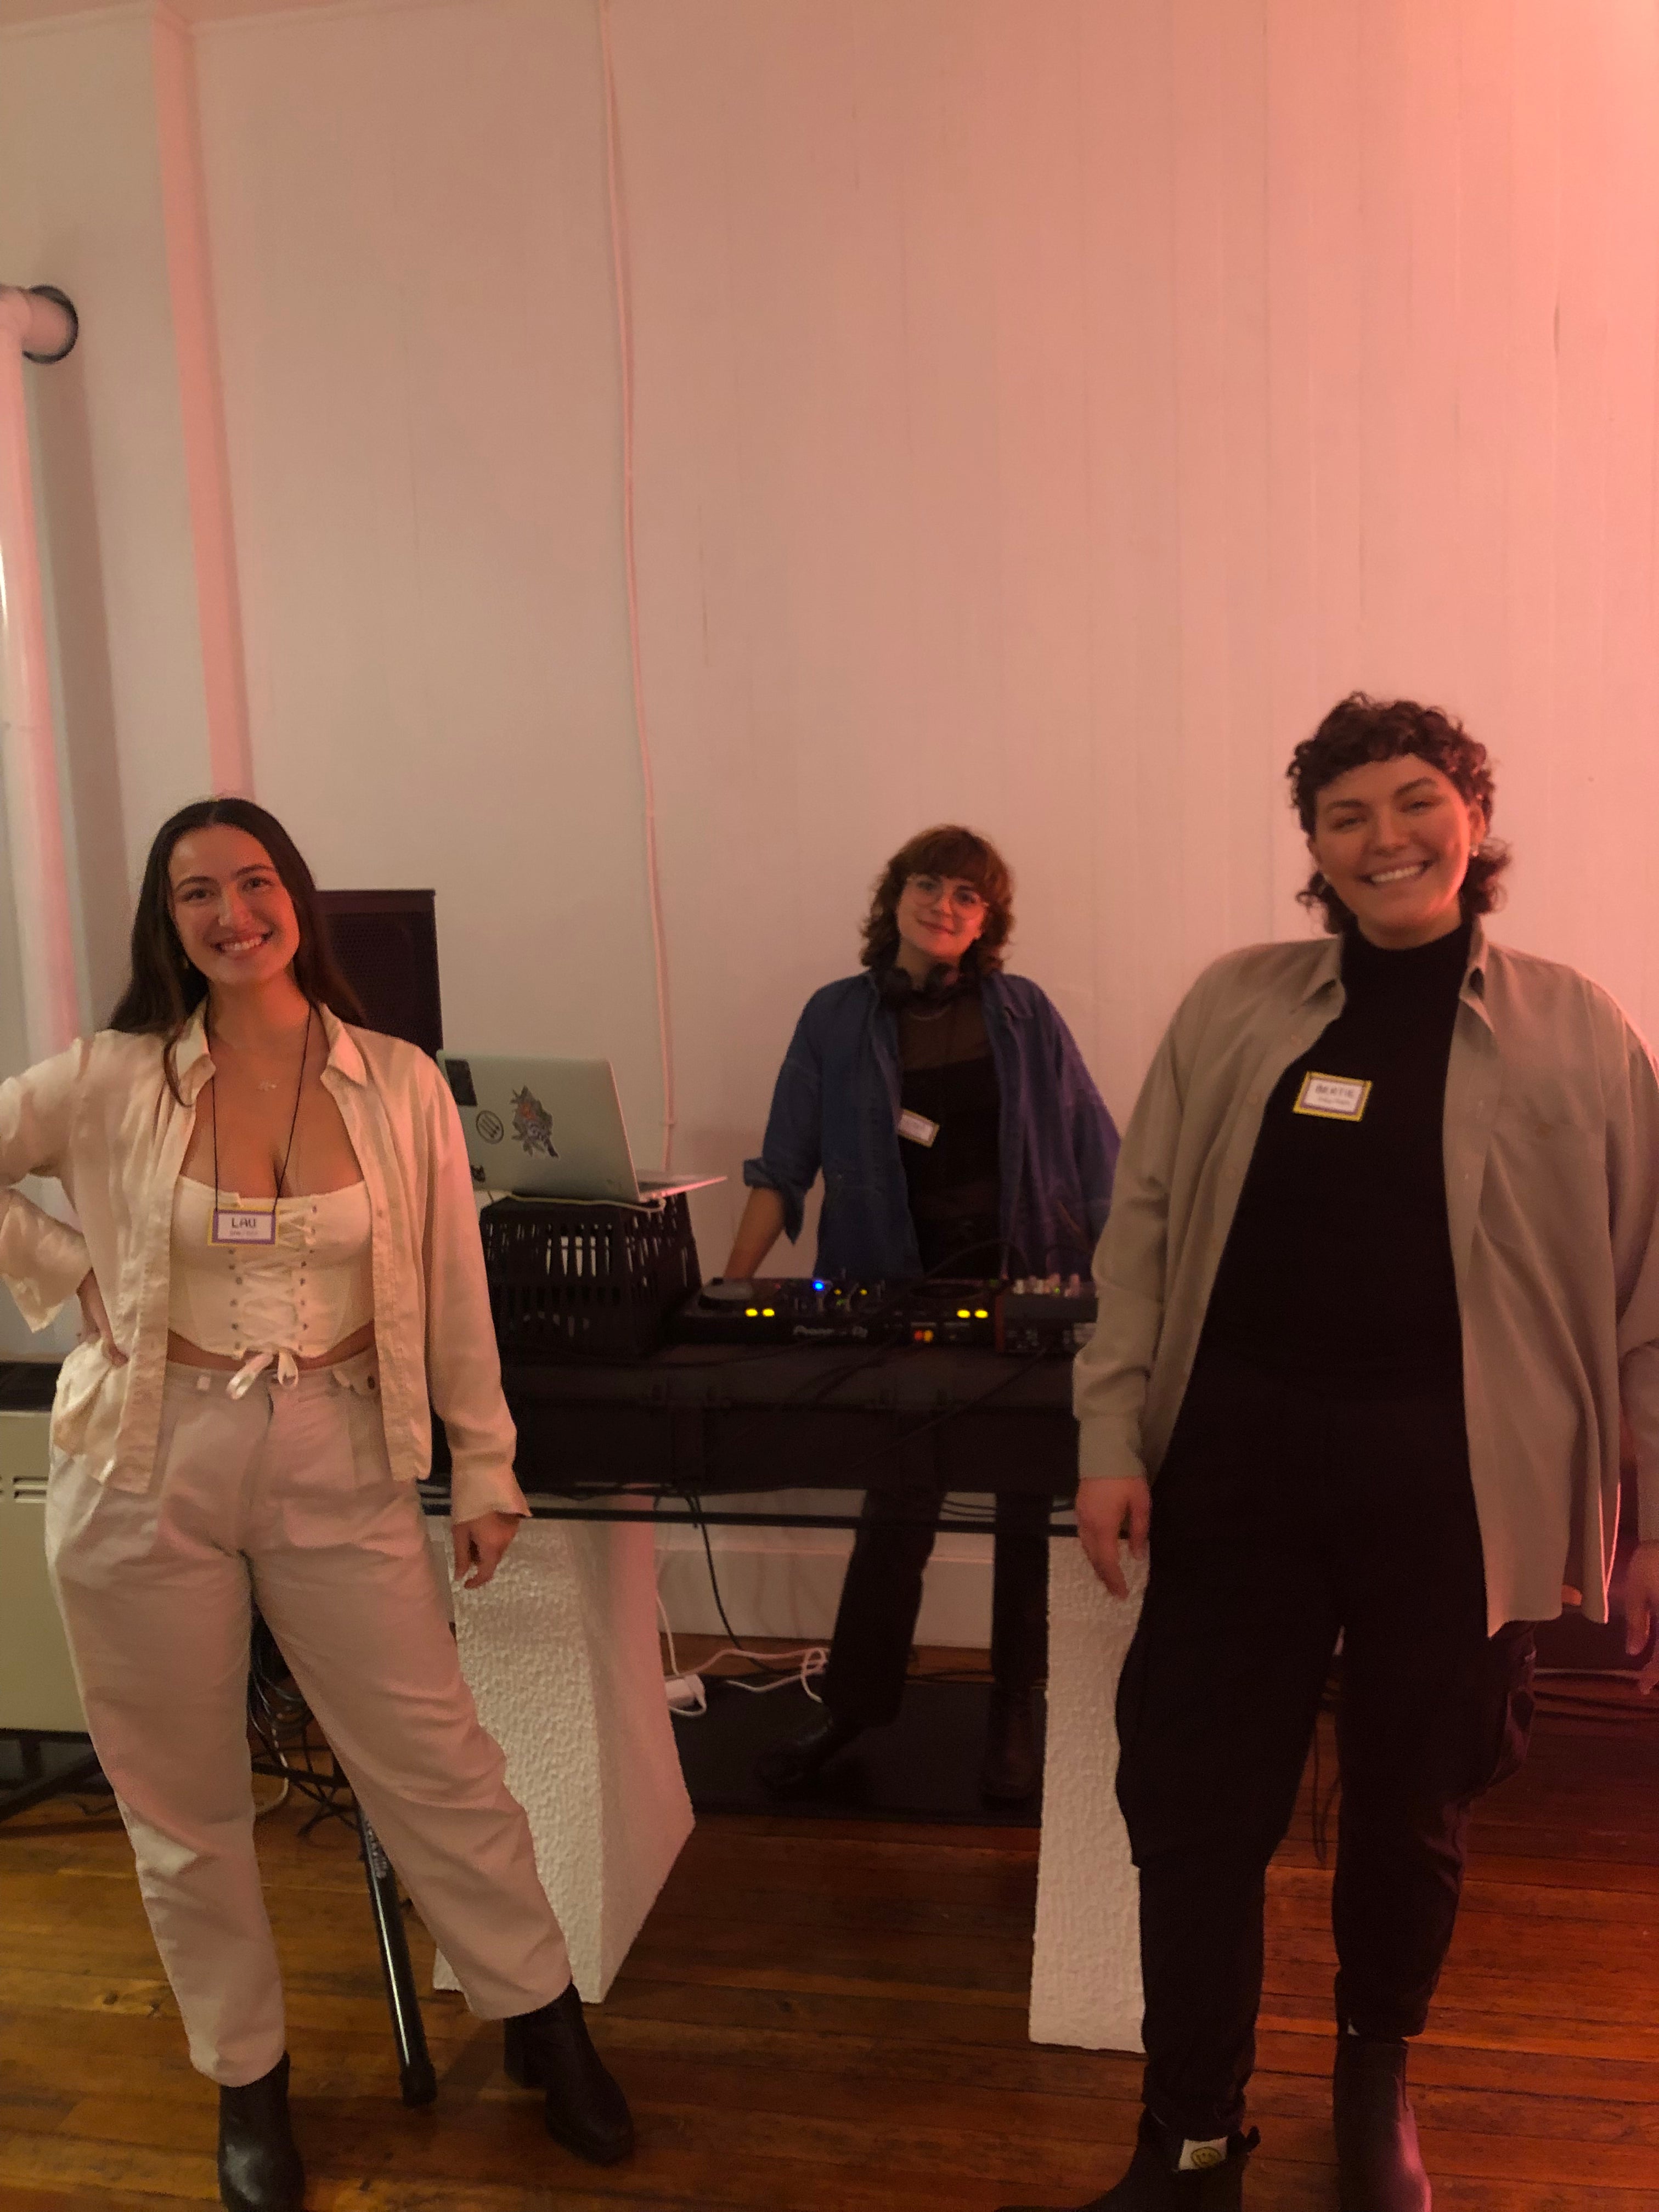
column 836, row 1109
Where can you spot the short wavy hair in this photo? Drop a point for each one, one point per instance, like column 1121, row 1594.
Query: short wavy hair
column 1359, row 729
column 948, row 849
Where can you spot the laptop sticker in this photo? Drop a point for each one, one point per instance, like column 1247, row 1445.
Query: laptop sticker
column 489, row 1126
column 533, row 1125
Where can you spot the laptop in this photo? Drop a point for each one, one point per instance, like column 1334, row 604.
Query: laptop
column 551, row 1128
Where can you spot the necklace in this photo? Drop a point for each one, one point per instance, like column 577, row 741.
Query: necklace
column 253, row 1224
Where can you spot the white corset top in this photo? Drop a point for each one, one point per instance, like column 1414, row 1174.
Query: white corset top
column 270, row 1304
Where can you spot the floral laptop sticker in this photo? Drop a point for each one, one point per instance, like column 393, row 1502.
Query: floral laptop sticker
column 533, row 1125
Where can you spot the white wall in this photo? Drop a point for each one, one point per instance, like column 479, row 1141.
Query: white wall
column 1044, row 410
column 411, row 266
column 82, row 204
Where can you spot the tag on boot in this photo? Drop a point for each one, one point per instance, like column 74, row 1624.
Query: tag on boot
column 1201, row 2157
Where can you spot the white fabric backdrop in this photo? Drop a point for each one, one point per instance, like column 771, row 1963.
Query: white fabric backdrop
column 1046, row 409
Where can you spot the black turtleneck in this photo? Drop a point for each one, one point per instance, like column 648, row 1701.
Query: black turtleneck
column 1338, row 1268
column 949, row 1086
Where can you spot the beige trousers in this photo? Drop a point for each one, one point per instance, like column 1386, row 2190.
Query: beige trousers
column 285, row 1498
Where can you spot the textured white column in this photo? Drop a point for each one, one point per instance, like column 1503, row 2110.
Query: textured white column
column 562, row 1656
column 1086, row 1970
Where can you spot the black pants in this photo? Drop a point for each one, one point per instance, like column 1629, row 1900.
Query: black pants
column 1279, row 1519
column 876, row 1621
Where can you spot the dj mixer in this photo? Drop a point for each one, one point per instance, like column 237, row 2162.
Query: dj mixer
column 1029, row 1317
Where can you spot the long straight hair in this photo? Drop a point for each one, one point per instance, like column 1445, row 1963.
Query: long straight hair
column 165, row 986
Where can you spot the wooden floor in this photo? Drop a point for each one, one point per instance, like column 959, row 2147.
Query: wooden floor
column 822, row 2016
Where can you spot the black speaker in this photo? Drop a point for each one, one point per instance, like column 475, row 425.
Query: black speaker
column 386, row 945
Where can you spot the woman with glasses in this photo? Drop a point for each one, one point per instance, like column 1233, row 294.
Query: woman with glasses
column 959, row 1134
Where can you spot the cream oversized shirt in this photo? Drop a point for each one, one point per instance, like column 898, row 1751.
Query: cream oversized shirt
column 101, row 1119
column 1552, row 1154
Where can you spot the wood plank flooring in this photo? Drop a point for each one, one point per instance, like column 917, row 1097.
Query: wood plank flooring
column 831, row 2018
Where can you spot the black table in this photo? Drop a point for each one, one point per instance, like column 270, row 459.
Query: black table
column 696, row 1421
column 658, row 1439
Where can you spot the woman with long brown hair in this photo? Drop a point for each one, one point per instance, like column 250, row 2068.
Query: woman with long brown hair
column 278, row 1262
column 958, row 1133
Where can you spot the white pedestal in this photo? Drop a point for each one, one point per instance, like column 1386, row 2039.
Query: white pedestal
column 561, row 1654
column 1086, row 1970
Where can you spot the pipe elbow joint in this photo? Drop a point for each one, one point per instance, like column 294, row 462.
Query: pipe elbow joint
column 42, row 319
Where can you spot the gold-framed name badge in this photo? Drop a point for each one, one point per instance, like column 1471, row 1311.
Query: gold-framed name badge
column 1332, row 1097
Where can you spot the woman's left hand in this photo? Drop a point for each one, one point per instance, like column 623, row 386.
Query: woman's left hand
column 480, row 1547
column 1642, row 1610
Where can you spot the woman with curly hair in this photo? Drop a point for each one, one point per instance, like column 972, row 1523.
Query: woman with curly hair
column 1382, row 1266
column 280, row 1270
column 958, row 1133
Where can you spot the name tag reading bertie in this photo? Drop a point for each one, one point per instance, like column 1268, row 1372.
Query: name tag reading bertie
column 917, row 1128
column 1332, row 1097
column 243, row 1224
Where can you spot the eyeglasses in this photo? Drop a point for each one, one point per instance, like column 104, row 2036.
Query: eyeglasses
column 962, row 897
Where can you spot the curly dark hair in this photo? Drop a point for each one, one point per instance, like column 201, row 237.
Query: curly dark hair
column 165, row 986
column 1358, row 729
column 947, row 850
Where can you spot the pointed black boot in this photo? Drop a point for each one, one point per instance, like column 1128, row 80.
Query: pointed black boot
column 1379, row 2167
column 586, row 2110
column 1011, row 1770
column 1155, row 2183
column 259, row 2168
column 787, row 1767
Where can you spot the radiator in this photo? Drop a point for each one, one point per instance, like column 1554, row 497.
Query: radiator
column 37, row 1683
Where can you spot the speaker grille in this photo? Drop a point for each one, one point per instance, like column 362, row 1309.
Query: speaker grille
column 386, row 945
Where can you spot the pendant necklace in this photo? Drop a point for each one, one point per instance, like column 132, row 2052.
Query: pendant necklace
column 253, row 1224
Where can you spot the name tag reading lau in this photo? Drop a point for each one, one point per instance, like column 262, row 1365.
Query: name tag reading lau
column 917, row 1128
column 243, row 1224
column 1332, row 1097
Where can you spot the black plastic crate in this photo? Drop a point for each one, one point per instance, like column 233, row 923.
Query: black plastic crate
column 568, row 1278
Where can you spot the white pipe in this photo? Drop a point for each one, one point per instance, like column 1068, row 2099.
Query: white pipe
column 32, row 324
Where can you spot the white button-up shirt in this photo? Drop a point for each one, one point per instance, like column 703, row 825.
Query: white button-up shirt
column 101, row 1119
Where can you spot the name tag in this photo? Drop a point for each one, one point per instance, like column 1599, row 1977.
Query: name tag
column 243, row 1224
column 1332, row 1097
column 917, row 1128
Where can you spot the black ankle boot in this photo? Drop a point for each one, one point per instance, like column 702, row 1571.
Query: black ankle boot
column 1378, row 2165
column 586, row 2111
column 1011, row 1770
column 259, row 2168
column 790, row 1766
column 1154, row 2182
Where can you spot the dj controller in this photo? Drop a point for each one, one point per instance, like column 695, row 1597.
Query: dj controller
column 1029, row 1317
